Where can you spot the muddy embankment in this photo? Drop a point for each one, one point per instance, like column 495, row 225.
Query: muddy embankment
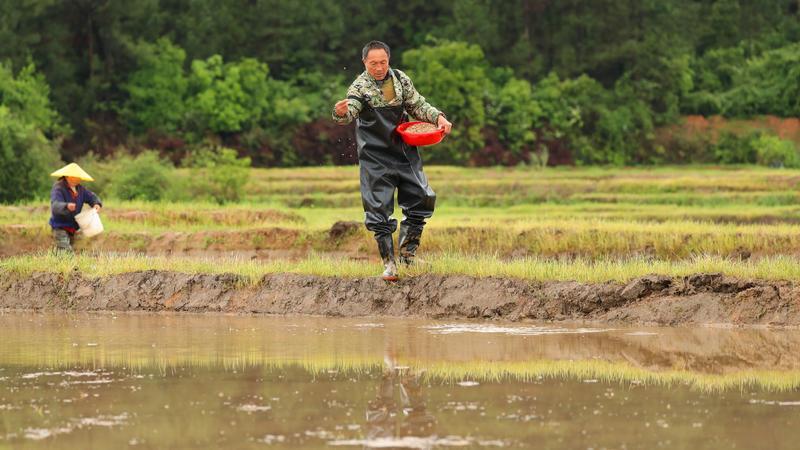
column 696, row 299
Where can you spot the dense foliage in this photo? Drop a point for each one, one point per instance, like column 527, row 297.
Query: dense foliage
column 524, row 81
column 27, row 156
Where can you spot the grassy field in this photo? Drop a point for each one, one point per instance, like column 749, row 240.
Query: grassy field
column 513, row 221
column 533, row 269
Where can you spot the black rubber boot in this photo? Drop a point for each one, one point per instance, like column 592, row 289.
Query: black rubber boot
column 408, row 241
column 386, row 249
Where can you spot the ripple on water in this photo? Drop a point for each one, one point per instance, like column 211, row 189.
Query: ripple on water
column 251, row 408
column 510, row 330
column 270, row 439
column 368, row 325
column 37, row 434
column 756, row 401
column 418, row 442
column 89, row 373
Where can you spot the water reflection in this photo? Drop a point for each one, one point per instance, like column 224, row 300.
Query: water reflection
column 213, row 381
column 390, row 416
column 707, row 358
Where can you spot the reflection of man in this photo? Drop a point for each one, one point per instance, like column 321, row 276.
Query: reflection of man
column 381, row 98
column 386, row 420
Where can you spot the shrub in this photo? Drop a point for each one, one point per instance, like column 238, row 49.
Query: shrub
column 217, row 174
column 103, row 170
column 686, row 148
column 732, row 148
column 773, row 151
column 702, row 102
column 146, row 177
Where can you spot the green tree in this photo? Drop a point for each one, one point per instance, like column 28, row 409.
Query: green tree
column 660, row 77
column 80, row 47
column 713, row 74
column 157, row 89
column 644, row 54
column 454, row 77
column 232, row 97
column 560, row 111
column 517, row 114
column 724, row 24
column 26, row 159
column 27, row 156
column 26, row 95
column 767, row 84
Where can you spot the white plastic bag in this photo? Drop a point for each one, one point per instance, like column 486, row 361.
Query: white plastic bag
column 89, row 221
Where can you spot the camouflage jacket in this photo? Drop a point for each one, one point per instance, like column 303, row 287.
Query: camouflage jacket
column 367, row 88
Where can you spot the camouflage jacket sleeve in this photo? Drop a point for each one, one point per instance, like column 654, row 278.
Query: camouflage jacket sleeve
column 353, row 106
column 415, row 104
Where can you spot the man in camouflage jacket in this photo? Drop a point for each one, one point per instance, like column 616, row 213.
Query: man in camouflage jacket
column 380, row 99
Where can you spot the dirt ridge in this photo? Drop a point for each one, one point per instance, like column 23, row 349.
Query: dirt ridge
column 705, row 298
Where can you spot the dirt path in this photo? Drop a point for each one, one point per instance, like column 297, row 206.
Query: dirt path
column 696, row 299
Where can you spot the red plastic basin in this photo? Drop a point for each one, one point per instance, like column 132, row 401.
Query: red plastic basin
column 419, row 139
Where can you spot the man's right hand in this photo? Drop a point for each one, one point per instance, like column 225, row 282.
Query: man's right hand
column 341, row 108
column 71, row 206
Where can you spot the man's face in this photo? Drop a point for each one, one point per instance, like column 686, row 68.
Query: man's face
column 73, row 181
column 377, row 63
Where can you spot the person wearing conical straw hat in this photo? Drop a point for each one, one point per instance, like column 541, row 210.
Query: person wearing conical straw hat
column 67, row 198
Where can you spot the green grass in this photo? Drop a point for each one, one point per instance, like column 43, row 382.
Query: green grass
column 509, row 234
column 533, row 269
column 486, row 187
column 668, row 213
column 127, row 216
column 334, row 187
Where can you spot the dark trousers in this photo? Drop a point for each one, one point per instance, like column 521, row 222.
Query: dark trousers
column 63, row 240
column 414, row 195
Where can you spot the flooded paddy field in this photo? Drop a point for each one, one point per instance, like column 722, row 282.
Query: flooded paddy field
column 143, row 380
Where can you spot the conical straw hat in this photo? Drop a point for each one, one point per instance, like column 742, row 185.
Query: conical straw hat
column 72, row 170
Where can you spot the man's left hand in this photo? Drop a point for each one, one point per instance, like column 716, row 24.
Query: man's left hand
column 97, row 208
column 444, row 124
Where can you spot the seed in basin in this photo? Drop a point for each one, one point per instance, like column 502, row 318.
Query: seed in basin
column 421, row 128
column 420, row 133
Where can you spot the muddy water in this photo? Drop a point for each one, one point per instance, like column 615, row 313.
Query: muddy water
column 214, row 381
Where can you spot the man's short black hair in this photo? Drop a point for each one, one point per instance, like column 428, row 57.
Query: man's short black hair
column 372, row 45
